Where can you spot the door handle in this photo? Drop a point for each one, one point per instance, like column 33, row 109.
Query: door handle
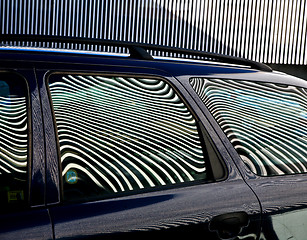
column 229, row 225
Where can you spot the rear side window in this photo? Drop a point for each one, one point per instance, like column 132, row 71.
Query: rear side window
column 121, row 134
column 265, row 122
column 13, row 142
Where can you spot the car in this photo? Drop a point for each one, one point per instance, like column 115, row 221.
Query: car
column 98, row 145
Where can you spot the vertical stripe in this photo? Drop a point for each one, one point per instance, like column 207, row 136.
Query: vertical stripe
column 133, row 22
column 304, row 33
column 269, row 31
column 261, row 29
column 200, row 25
column 181, row 14
column 240, row 27
column 220, row 25
column 296, row 30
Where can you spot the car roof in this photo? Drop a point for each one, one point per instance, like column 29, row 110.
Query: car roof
column 201, row 64
column 136, row 50
column 37, row 55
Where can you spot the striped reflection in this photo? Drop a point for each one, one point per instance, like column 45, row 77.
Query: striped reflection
column 13, row 137
column 266, row 123
column 270, row 31
column 125, row 133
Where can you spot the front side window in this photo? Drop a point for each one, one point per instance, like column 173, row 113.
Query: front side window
column 13, row 142
column 120, row 134
column 265, row 122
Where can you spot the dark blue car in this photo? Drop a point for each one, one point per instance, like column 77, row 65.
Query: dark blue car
column 113, row 146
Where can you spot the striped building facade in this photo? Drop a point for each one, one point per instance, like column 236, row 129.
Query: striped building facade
column 269, row 31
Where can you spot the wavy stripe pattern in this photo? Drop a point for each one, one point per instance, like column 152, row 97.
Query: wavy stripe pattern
column 266, row 123
column 14, row 134
column 123, row 134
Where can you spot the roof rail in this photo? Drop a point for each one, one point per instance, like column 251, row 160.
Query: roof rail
column 136, row 50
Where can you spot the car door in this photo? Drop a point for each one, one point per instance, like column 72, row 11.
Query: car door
column 22, row 186
column 265, row 120
column 135, row 157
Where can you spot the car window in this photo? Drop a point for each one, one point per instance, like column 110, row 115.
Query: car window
column 123, row 134
column 265, row 122
column 13, row 142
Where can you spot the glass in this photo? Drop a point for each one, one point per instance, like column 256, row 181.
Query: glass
column 120, row 134
column 13, row 142
column 265, row 122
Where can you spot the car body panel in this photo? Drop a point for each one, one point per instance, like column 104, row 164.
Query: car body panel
column 185, row 211
column 170, row 209
column 282, row 198
column 26, row 225
column 34, row 221
column 275, row 203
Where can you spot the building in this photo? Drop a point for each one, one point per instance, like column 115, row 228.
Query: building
column 273, row 32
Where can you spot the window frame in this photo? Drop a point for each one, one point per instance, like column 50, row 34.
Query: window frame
column 231, row 149
column 210, row 176
column 27, row 195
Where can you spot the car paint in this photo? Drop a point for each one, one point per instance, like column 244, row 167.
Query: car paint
column 281, row 197
column 180, row 211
